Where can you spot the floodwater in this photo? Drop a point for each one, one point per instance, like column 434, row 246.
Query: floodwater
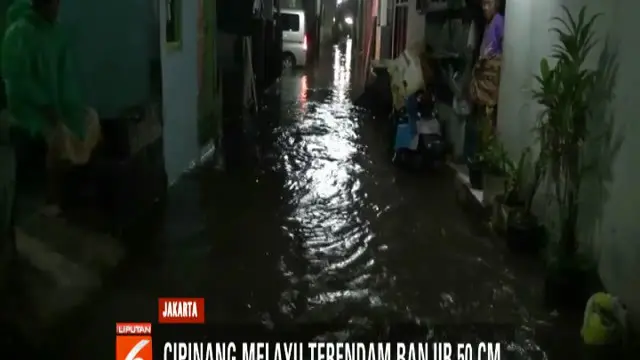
column 317, row 225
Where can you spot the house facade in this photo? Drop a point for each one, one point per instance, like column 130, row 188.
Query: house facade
column 171, row 53
column 153, row 57
column 399, row 23
column 161, row 52
column 179, row 53
column 191, row 86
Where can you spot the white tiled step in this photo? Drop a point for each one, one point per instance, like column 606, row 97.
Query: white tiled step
column 463, row 177
column 60, row 269
column 493, row 185
column 85, row 248
column 54, row 281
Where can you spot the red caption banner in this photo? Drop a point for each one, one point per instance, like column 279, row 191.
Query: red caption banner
column 181, row 310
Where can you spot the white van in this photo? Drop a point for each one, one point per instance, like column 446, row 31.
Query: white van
column 294, row 38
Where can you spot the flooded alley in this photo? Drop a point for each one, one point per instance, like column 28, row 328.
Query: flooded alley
column 316, row 225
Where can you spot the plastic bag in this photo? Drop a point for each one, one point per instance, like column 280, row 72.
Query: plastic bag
column 485, row 81
column 429, row 127
column 604, row 320
column 408, row 73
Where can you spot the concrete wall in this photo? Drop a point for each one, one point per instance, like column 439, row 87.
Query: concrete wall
column 609, row 210
column 180, row 93
column 415, row 24
column 382, row 30
column 328, row 13
column 111, row 41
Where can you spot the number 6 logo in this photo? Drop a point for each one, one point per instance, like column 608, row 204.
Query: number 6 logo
column 133, row 353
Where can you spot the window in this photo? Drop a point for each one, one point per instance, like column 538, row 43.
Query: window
column 290, row 22
column 173, row 26
column 400, row 23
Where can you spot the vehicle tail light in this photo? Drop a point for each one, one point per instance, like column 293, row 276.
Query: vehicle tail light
column 304, row 42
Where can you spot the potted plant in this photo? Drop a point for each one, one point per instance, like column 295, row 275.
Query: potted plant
column 511, row 195
column 524, row 232
column 565, row 91
column 476, row 173
column 494, row 155
column 484, row 162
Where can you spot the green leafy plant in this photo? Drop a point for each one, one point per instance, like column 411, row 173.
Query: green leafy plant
column 565, row 90
column 519, row 190
column 515, row 181
column 493, row 155
column 534, row 184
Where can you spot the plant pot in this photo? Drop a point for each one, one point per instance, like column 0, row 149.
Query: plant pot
column 495, row 171
column 476, row 177
column 501, row 208
column 498, row 220
column 568, row 286
column 525, row 236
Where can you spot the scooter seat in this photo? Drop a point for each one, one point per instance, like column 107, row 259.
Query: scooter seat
column 405, row 134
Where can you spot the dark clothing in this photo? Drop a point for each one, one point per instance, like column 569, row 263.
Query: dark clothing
column 471, row 139
column 30, row 153
column 7, row 201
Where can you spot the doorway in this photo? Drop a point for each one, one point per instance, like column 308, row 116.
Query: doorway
column 400, row 26
column 208, row 80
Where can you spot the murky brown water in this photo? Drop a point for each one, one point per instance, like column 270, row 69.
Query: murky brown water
column 318, row 226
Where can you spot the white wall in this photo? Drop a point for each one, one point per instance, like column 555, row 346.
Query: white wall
column 610, row 206
column 180, row 93
column 618, row 231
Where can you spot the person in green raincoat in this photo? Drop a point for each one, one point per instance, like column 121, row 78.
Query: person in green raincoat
column 42, row 96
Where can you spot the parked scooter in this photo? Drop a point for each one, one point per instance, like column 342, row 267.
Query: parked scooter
column 419, row 142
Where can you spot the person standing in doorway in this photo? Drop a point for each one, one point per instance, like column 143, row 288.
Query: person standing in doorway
column 492, row 38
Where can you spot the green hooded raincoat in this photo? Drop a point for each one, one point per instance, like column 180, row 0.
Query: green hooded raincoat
column 36, row 68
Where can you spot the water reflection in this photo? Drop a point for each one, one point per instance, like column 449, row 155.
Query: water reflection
column 334, row 234
column 342, row 70
column 303, row 90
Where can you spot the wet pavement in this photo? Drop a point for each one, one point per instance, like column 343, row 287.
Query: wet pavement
column 319, row 226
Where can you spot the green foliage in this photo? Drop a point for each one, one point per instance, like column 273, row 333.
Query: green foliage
column 538, row 173
column 493, row 155
column 565, row 91
column 515, row 181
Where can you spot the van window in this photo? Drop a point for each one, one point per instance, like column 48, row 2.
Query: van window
column 290, row 22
